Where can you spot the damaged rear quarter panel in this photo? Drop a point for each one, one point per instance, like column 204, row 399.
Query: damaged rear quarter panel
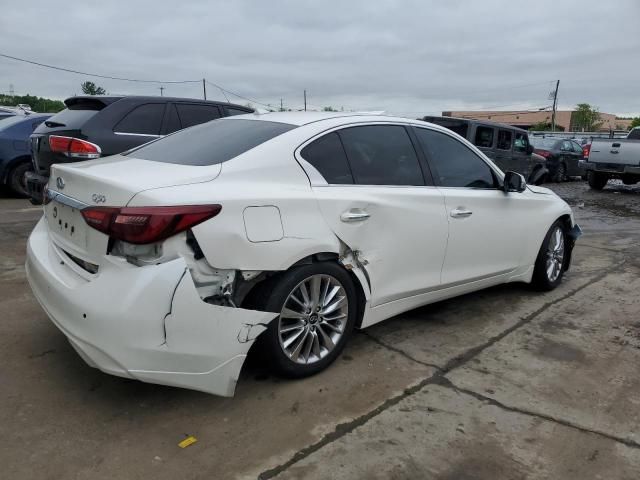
column 210, row 342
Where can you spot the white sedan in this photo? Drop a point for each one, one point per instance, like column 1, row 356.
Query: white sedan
column 167, row 262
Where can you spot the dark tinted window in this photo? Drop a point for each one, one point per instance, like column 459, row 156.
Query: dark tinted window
column 145, row 119
column 72, row 118
column 484, row 137
column 171, row 119
column 192, row 114
column 458, row 126
column 381, row 155
column 210, row 143
column 504, row 140
column 634, row 134
column 235, row 111
column 454, row 164
column 327, row 156
column 576, row 148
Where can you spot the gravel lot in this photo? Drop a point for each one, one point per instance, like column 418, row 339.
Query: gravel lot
column 503, row 383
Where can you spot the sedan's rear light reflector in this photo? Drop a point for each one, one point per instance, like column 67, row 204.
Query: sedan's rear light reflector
column 143, row 225
column 586, row 150
column 544, row 153
column 74, row 147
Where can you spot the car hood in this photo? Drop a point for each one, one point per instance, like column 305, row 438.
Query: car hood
column 541, row 190
column 115, row 180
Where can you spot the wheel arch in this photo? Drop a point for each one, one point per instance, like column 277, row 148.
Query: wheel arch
column 11, row 164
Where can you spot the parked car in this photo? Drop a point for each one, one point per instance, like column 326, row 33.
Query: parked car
column 507, row 146
column 15, row 159
column 613, row 158
column 5, row 112
column 98, row 126
column 288, row 228
column 563, row 157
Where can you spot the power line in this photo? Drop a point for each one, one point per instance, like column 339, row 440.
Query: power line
column 94, row 74
column 223, row 90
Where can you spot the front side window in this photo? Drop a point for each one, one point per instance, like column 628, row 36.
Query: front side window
column 566, row 146
column 210, row 143
column 454, row 164
column 193, row 114
column 521, row 142
column 144, row 119
column 576, row 148
column 504, row 140
column 327, row 156
column 381, row 155
column 484, row 137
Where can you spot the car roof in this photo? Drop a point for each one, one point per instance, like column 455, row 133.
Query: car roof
column 108, row 99
column 305, row 118
column 478, row 122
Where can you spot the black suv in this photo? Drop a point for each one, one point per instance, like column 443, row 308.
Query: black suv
column 507, row 146
column 97, row 126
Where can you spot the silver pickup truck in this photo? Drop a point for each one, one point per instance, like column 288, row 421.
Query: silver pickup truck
column 613, row 158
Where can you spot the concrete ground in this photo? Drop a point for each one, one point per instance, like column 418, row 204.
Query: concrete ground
column 503, row 383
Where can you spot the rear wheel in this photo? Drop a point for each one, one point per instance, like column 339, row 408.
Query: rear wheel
column 318, row 309
column 560, row 174
column 597, row 181
column 16, row 180
column 549, row 266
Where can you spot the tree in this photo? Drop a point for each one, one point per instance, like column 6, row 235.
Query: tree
column 541, row 126
column 90, row 88
column 37, row 104
column 329, row 109
column 635, row 123
column 585, row 118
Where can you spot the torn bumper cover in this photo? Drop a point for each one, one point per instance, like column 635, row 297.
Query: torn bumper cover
column 146, row 323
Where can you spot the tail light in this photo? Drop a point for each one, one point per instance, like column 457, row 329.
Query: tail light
column 74, row 147
column 143, row 225
column 586, row 150
column 544, row 153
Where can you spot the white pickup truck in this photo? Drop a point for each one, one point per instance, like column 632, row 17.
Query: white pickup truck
column 613, row 158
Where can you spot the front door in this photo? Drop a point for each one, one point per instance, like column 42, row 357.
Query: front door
column 377, row 202
column 485, row 239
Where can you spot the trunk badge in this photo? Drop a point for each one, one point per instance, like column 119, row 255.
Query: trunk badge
column 60, row 183
column 98, row 198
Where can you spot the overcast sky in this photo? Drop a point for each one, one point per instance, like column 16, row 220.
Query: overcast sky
column 404, row 57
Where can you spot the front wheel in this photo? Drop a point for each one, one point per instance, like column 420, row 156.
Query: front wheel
column 549, row 266
column 318, row 309
column 560, row 174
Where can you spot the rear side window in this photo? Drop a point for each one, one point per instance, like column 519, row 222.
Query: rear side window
column 381, row 155
column 454, row 163
column 144, row 119
column 327, row 156
column 210, row 143
column 484, row 137
column 235, row 111
column 192, row 114
column 504, row 140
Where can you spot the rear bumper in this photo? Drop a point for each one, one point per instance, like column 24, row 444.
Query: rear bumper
column 610, row 168
column 146, row 323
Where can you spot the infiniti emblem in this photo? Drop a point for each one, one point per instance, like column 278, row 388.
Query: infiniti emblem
column 60, row 183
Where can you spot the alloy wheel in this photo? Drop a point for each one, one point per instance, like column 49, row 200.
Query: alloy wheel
column 555, row 254
column 313, row 319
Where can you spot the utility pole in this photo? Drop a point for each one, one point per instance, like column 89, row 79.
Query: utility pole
column 305, row 100
column 281, row 109
column 204, row 88
column 555, row 106
column 161, row 91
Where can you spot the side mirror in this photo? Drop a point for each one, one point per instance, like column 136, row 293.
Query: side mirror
column 529, row 149
column 514, row 182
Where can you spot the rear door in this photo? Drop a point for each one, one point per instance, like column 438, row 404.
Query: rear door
column 374, row 195
column 484, row 238
column 193, row 113
column 139, row 125
column 485, row 139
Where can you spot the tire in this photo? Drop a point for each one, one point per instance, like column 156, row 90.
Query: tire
column 597, row 181
column 16, row 180
column 560, row 174
column 320, row 338
column 549, row 266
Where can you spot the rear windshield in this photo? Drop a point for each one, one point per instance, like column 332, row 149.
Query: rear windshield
column 72, row 118
column 210, row 143
column 541, row 142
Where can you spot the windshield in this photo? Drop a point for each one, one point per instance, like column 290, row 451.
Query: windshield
column 210, row 143
column 541, row 142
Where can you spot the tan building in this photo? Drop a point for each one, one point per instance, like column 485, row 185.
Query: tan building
column 527, row 119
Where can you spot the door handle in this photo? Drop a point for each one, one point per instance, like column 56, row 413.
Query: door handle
column 354, row 215
column 461, row 213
